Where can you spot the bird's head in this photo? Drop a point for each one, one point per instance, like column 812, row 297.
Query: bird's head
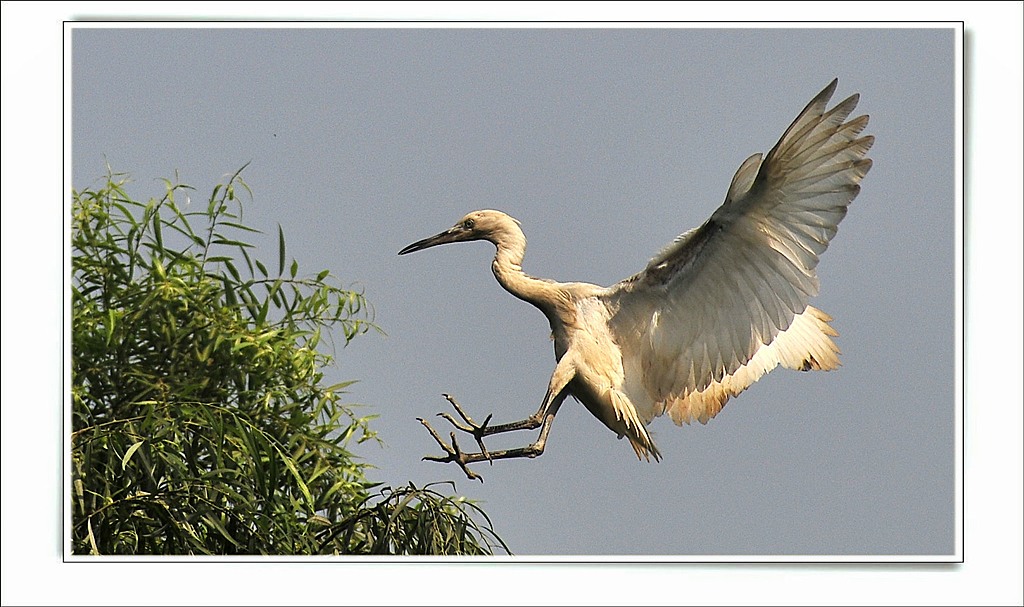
column 494, row 226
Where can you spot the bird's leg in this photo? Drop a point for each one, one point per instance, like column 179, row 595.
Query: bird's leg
column 479, row 431
column 565, row 370
column 457, row 456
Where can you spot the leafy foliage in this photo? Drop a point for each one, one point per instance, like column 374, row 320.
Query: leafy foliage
column 201, row 424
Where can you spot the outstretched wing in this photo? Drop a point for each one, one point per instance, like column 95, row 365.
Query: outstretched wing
column 727, row 302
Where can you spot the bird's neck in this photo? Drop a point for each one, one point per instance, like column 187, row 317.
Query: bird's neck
column 508, row 270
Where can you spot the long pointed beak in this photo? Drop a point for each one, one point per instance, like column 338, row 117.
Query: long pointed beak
column 449, row 235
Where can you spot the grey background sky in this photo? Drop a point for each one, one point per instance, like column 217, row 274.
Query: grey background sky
column 33, row 445
column 606, row 144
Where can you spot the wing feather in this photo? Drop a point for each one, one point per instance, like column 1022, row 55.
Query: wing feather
column 727, row 302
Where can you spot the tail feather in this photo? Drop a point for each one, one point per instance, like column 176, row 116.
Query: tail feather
column 633, row 427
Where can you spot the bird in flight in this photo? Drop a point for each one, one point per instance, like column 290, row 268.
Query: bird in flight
column 714, row 311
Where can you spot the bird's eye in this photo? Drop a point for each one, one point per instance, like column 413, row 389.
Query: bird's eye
column 468, row 224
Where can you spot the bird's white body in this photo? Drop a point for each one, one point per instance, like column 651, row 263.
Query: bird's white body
column 715, row 310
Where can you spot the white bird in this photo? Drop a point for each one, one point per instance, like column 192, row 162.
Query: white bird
column 718, row 308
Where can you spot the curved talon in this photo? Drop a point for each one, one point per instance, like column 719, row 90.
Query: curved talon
column 483, row 450
column 479, row 436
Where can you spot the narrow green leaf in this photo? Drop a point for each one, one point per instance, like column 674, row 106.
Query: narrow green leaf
column 129, row 453
column 280, row 250
column 232, row 269
column 274, row 292
column 339, row 386
column 127, row 214
column 92, row 538
column 186, row 233
column 111, row 321
column 218, row 239
column 261, row 317
column 157, row 233
column 249, row 299
column 295, row 268
column 229, row 294
column 241, row 345
column 240, row 226
column 401, row 505
column 212, row 520
column 298, row 479
column 248, row 261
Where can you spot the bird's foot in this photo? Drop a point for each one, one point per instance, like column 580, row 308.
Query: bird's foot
column 479, row 431
column 454, row 453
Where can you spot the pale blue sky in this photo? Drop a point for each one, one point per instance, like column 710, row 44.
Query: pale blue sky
column 605, row 144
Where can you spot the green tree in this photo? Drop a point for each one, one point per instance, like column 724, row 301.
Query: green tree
column 201, row 424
